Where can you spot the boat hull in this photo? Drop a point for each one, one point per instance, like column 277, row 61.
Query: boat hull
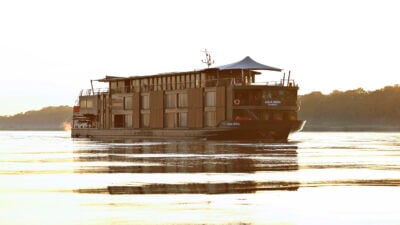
column 226, row 130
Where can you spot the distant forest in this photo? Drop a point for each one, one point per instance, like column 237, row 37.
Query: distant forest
column 49, row 118
column 353, row 110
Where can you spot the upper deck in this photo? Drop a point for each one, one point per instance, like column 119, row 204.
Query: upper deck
column 187, row 80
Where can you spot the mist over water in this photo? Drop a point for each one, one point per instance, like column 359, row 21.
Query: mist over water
column 315, row 178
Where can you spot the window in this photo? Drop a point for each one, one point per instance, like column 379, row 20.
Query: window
column 89, row 104
column 128, row 102
column 119, row 121
column 82, row 103
column 209, row 119
column 170, row 120
column 164, row 83
column 182, row 119
column 210, row 99
column 187, row 78
column 159, row 84
column 128, row 121
column 197, row 80
column 144, row 84
column 145, row 120
column 86, row 103
column 170, row 101
column 182, row 82
column 192, row 81
column 145, row 103
column 113, row 84
column 168, row 83
column 182, row 100
column 136, row 85
column 173, row 81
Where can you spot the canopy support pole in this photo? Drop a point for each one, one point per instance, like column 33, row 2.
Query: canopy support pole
column 283, row 80
column 91, row 84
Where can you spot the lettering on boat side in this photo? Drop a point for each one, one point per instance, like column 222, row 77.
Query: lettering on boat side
column 273, row 102
column 231, row 124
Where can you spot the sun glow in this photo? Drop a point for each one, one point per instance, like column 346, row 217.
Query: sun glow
column 66, row 126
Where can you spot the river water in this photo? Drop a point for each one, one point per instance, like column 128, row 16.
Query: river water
column 315, row 178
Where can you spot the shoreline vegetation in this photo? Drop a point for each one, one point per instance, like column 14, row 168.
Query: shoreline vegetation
column 48, row 118
column 352, row 110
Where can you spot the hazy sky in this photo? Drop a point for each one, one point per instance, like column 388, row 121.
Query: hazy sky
column 50, row 49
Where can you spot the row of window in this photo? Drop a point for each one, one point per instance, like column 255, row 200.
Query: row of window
column 171, row 120
column 173, row 82
column 86, row 103
column 172, row 100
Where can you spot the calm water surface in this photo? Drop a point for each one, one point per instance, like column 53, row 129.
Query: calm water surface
column 315, row 178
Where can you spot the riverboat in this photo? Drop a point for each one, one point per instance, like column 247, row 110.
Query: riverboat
column 217, row 103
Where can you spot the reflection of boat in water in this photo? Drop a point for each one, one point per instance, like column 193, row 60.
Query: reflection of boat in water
column 202, row 159
column 223, row 102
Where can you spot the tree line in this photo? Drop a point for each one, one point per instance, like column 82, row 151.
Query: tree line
column 352, row 110
column 340, row 110
column 48, row 118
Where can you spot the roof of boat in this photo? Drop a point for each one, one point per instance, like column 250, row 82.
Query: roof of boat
column 245, row 64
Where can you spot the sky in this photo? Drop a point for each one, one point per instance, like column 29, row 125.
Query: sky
column 51, row 49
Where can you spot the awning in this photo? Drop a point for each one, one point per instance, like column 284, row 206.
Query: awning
column 247, row 64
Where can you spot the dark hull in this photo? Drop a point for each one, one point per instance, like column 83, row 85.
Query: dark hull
column 257, row 130
column 227, row 130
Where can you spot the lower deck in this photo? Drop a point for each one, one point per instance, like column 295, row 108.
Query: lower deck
column 226, row 130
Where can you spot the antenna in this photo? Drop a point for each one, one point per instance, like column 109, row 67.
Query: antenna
column 208, row 59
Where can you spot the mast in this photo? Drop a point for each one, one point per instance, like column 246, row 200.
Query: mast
column 208, row 59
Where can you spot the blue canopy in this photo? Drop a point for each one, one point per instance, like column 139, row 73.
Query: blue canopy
column 247, row 64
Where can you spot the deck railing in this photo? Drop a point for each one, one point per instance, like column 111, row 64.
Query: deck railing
column 90, row 92
column 198, row 84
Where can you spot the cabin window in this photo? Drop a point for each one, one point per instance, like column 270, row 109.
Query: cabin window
column 144, row 85
column 145, row 103
column 89, row 103
column 159, row 83
column 121, row 84
column 210, row 99
column 252, row 97
column 182, row 82
column 127, row 86
column 128, row 121
column 136, row 85
column 128, row 103
column 203, row 79
column 210, row 118
column 182, row 100
column 192, row 81
column 82, row 103
column 119, row 121
column 145, row 120
column 187, row 78
column 150, row 83
column 86, row 103
column 113, row 85
column 164, row 83
column 170, row 100
column 182, row 119
column 173, row 83
column 168, row 83
column 197, row 80
column 170, row 120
